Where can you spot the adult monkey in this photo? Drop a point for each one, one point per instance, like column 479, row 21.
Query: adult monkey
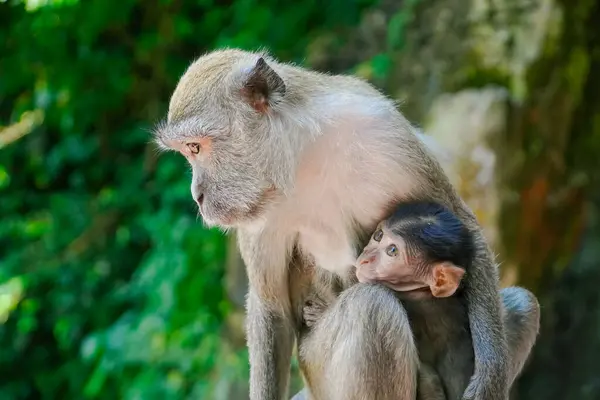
column 305, row 165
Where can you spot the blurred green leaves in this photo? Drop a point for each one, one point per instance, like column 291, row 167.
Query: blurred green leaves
column 11, row 293
column 110, row 287
column 398, row 24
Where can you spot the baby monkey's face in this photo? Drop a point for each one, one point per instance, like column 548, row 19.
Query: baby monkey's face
column 386, row 260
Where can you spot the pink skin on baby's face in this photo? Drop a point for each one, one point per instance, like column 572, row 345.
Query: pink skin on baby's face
column 385, row 260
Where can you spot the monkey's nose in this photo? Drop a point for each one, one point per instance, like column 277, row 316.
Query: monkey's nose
column 198, row 193
column 367, row 260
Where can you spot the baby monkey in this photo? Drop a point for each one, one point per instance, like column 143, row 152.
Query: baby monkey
column 423, row 252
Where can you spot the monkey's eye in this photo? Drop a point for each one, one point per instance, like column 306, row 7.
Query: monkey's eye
column 378, row 235
column 392, row 250
column 194, row 147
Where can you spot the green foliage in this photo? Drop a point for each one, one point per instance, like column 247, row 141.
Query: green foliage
column 398, row 24
column 109, row 285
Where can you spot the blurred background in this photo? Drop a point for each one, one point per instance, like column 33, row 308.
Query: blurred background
column 110, row 288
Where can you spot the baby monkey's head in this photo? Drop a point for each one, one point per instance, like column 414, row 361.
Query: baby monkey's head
column 421, row 248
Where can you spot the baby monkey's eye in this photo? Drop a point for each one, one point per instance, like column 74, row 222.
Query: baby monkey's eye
column 194, row 147
column 392, row 250
column 378, row 235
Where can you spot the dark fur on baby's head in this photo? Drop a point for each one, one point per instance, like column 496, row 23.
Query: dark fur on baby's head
column 432, row 233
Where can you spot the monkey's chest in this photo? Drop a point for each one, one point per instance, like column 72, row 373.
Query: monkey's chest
column 334, row 253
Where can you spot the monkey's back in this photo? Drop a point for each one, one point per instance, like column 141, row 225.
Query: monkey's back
column 443, row 337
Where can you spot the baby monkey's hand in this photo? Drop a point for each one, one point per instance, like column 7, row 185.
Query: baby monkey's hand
column 314, row 307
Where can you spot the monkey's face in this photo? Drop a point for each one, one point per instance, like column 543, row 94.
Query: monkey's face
column 221, row 122
column 228, row 189
column 385, row 260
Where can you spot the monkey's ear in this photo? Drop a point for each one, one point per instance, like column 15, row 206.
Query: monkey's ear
column 446, row 279
column 263, row 87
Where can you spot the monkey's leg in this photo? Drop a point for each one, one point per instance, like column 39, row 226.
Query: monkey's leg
column 361, row 348
column 522, row 324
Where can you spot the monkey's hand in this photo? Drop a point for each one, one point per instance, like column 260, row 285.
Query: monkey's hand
column 481, row 387
column 313, row 308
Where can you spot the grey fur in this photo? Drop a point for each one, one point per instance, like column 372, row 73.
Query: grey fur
column 311, row 175
column 441, row 331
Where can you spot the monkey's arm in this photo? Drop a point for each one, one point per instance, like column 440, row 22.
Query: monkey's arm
column 270, row 332
column 490, row 380
column 270, row 341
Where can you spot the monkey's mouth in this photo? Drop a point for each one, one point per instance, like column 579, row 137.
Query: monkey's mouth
column 200, row 202
column 423, row 290
column 418, row 289
column 410, row 287
column 231, row 217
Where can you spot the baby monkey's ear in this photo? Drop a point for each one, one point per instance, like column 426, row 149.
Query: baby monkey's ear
column 263, row 87
column 445, row 279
